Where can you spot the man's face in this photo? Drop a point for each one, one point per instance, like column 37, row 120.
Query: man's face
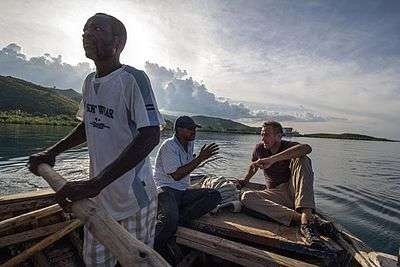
column 98, row 39
column 187, row 134
column 270, row 137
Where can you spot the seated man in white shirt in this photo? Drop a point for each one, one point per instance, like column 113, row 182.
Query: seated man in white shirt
column 177, row 204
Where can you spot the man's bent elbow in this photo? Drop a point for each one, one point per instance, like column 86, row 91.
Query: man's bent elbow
column 152, row 135
column 307, row 148
column 176, row 176
column 156, row 137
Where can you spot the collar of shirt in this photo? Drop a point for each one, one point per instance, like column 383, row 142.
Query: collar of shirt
column 190, row 145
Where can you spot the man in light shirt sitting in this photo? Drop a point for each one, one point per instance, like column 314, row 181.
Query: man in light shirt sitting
column 177, row 203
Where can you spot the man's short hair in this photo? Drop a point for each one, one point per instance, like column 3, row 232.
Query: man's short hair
column 118, row 28
column 275, row 125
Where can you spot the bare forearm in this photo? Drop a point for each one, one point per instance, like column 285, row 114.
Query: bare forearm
column 206, row 152
column 250, row 173
column 296, row 151
column 186, row 169
column 76, row 137
column 138, row 150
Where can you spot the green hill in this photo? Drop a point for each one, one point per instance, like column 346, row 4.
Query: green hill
column 70, row 93
column 17, row 94
column 213, row 124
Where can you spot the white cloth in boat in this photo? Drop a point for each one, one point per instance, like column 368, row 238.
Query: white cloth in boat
column 113, row 108
column 229, row 193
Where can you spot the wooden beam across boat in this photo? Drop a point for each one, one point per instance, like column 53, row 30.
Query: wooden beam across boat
column 16, row 204
column 42, row 244
column 248, row 229
column 26, row 196
column 233, row 251
column 28, row 217
column 31, row 234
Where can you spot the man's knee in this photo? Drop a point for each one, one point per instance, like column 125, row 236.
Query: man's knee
column 168, row 214
column 248, row 197
column 167, row 222
column 302, row 163
column 301, row 160
column 214, row 196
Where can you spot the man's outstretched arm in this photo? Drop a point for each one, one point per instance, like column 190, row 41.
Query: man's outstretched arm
column 206, row 152
column 296, row 151
column 76, row 137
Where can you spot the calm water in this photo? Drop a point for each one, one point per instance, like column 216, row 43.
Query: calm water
column 357, row 182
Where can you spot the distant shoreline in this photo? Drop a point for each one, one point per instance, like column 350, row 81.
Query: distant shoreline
column 17, row 117
column 347, row 136
column 23, row 118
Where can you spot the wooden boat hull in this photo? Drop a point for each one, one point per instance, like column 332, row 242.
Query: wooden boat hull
column 234, row 237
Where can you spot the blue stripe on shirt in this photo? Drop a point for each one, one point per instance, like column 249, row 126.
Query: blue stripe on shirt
column 145, row 90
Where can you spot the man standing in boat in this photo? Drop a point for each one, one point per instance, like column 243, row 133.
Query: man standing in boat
column 289, row 194
column 177, row 204
column 121, row 123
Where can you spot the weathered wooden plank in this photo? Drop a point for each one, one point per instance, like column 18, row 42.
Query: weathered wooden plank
column 14, row 209
column 32, row 195
column 42, row 244
column 235, row 252
column 40, row 260
column 31, row 234
column 266, row 233
column 384, row 259
column 26, row 218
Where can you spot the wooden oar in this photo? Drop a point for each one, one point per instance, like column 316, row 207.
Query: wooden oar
column 125, row 247
column 42, row 245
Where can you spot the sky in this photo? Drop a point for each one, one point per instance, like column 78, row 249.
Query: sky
column 318, row 66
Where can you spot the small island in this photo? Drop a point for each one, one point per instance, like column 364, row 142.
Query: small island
column 349, row 136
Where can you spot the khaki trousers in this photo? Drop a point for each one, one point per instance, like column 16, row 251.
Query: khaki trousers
column 280, row 203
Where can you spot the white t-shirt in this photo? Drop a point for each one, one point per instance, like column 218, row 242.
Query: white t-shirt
column 113, row 108
column 170, row 157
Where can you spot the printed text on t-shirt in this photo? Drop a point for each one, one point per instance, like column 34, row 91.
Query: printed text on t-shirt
column 108, row 112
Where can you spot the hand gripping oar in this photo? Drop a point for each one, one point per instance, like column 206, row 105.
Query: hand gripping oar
column 125, row 247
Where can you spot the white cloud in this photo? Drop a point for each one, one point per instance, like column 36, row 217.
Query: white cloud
column 44, row 70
